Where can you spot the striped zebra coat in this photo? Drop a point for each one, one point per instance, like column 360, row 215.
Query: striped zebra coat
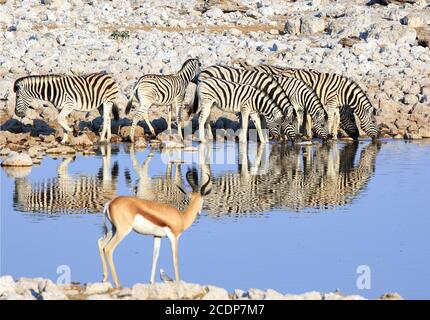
column 235, row 97
column 162, row 90
column 261, row 81
column 68, row 93
column 301, row 98
column 340, row 96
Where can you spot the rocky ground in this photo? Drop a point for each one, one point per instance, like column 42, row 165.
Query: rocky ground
column 45, row 289
column 385, row 48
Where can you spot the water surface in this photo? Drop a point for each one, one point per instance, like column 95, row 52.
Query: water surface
column 291, row 218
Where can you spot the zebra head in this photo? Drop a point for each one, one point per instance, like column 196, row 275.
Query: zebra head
column 23, row 98
column 274, row 130
column 319, row 124
column 289, row 130
column 369, row 124
column 190, row 69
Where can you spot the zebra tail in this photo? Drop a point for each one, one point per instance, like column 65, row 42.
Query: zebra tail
column 130, row 101
column 194, row 109
column 115, row 111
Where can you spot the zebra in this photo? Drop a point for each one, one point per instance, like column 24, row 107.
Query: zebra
column 66, row 193
column 162, row 90
column 300, row 97
column 259, row 80
column 235, row 97
column 306, row 102
column 338, row 94
column 68, row 93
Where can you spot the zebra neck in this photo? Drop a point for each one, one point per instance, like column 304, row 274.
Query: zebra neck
column 186, row 74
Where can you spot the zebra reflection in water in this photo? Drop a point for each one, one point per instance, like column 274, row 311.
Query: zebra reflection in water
column 68, row 193
column 284, row 177
column 290, row 178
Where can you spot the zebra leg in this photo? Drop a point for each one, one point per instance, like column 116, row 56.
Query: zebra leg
column 244, row 129
column 65, row 111
column 336, row 121
column 204, row 114
column 255, row 117
column 330, row 121
column 151, row 128
column 136, row 119
column 178, row 109
column 106, row 131
column 308, row 127
column 169, row 118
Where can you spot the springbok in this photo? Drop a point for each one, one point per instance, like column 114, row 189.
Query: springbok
column 153, row 218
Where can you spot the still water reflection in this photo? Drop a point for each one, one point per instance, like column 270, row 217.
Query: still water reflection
column 374, row 192
column 286, row 177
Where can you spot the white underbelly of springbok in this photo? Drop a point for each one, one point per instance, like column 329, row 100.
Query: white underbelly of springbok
column 146, row 227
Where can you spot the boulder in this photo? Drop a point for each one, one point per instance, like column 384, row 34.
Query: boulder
column 256, row 294
column 292, row 25
column 7, row 285
column 15, row 159
column 391, row 296
column 82, row 140
column 312, row 24
column 97, row 288
column 214, row 13
column 215, row 293
column 414, row 20
column 168, row 291
column 4, row 151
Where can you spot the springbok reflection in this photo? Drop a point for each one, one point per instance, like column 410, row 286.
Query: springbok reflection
column 67, row 193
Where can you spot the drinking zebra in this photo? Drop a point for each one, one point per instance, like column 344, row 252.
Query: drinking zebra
column 338, row 94
column 68, row 93
column 235, row 97
column 258, row 80
column 162, row 90
column 300, row 97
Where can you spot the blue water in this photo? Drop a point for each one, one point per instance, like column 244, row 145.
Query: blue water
column 290, row 247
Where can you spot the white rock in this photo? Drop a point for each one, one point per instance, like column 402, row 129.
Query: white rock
column 164, row 291
column 15, row 159
column 256, row 294
column 5, row 151
column 6, row 89
column 97, row 288
column 311, row 25
column 414, row 20
column 214, row 13
column 292, row 26
column 267, row 11
column 7, row 285
column 215, row 293
column 273, row 295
